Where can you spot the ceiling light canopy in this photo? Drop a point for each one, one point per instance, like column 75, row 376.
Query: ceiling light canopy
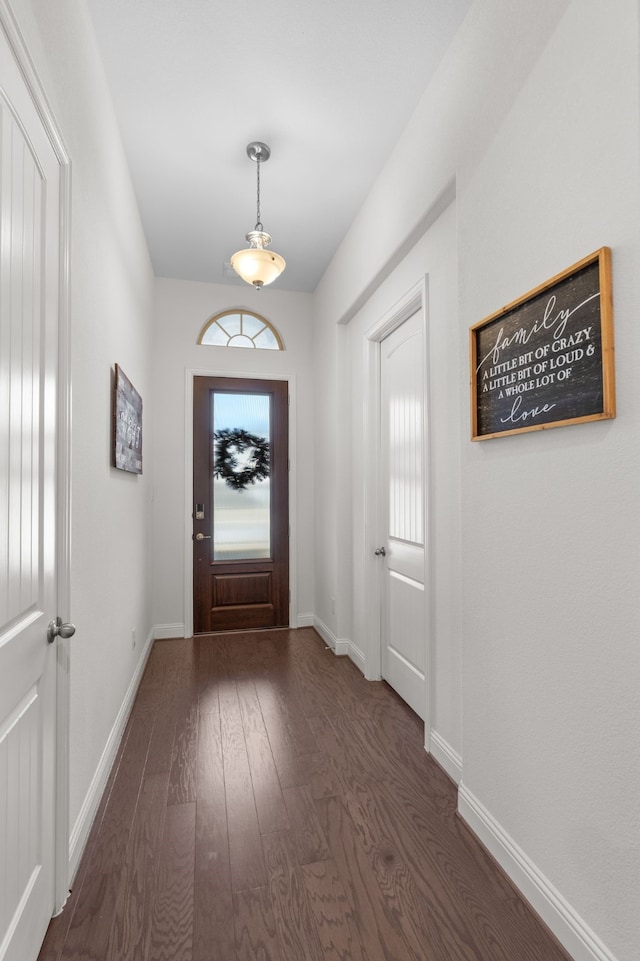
column 255, row 264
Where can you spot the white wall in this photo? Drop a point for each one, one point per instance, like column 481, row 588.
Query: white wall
column 111, row 310
column 182, row 308
column 534, row 116
column 435, row 257
column 328, row 408
column 551, row 639
column 464, row 104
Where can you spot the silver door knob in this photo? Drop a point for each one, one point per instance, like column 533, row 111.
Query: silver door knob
column 380, row 552
column 58, row 629
column 203, row 537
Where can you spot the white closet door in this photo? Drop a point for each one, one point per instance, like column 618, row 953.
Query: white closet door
column 29, row 294
column 402, row 446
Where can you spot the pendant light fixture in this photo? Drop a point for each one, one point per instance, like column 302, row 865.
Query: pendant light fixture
column 255, row 264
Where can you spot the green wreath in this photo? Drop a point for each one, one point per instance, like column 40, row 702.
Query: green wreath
column 228, row 444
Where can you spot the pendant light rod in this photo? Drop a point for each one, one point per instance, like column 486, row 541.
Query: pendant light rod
column 258, row 152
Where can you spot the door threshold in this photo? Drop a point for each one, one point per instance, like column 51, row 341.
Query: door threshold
column 248, row 630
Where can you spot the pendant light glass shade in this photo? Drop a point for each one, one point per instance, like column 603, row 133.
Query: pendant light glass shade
column 255, row 264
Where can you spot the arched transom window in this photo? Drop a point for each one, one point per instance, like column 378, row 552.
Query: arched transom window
column 240, row 328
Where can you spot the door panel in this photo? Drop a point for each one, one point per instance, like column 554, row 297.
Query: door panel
column 241, row 498
column 29, row 282
column 402, row 424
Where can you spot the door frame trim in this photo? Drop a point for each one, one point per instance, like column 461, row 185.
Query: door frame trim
column 290, row 379
column 10, row 26
column 414, row 299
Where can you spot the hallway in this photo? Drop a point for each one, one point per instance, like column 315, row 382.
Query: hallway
column 268, row 802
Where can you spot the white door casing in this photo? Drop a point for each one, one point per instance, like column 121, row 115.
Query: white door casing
column 397, row 502
column 33, row 505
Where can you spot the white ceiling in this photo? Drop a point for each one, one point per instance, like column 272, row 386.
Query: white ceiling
column 328, row 84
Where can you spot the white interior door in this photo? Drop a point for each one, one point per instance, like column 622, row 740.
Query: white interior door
column 29, row 305
column 402, row 468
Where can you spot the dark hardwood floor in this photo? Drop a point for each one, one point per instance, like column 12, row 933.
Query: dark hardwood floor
column 269, row 803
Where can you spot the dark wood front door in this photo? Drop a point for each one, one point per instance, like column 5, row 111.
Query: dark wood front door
column 240, row 504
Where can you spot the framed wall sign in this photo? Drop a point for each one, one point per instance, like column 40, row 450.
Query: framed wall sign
column 127, row 424
column 546, row 360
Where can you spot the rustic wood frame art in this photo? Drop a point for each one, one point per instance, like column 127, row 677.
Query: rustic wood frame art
column 547, row 359
column 127, row 424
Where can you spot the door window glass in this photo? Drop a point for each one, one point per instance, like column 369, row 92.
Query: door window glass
column 241, row 476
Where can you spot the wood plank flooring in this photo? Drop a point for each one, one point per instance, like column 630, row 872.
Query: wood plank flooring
column 269, row 804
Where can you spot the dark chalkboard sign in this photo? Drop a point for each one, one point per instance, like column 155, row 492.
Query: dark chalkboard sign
column 546, row 360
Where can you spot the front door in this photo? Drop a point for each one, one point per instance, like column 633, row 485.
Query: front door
column 403, row 598
column 29, row 298
column 240, row 504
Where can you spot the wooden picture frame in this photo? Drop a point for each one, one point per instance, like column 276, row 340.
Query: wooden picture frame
column 546, row 359
column 127, row 424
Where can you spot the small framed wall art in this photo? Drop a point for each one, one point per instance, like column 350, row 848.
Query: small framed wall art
column 546, row 360
column 127, row 424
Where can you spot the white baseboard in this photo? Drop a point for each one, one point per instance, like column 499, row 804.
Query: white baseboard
column 304, row 620
column 162, row 632
column 447, row 758
column 84, row 821
column 325, row 633
column 340, row 646
column 573, row 933
column 357, row 656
